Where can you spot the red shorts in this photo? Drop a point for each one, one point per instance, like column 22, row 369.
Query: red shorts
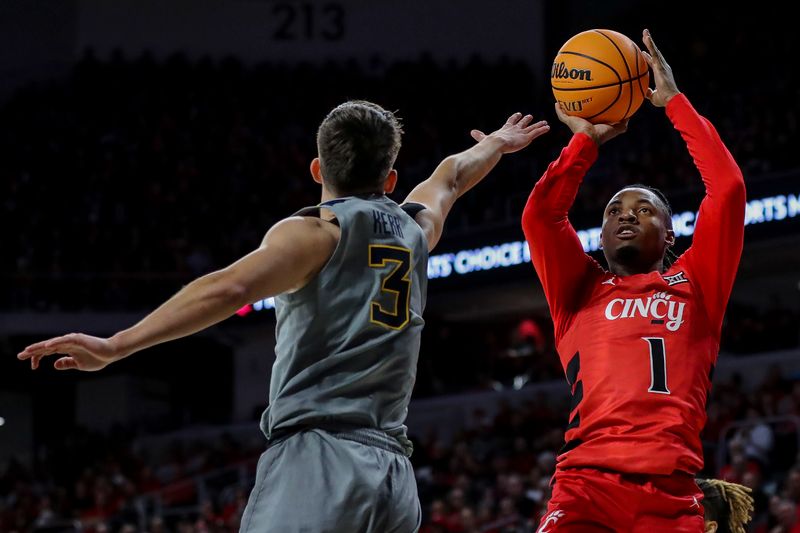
column 586, row 500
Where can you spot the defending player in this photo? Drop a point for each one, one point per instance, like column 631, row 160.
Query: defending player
column 350, row 275
column 638, row 342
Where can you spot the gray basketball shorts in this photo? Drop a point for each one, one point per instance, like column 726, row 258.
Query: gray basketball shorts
column 318, row 481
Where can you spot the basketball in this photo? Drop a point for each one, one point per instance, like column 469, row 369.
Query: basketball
column 600, row 75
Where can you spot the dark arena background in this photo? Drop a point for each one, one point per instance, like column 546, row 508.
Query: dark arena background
column 145, row 143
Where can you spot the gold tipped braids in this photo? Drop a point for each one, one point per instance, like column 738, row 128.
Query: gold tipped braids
column 740, row 503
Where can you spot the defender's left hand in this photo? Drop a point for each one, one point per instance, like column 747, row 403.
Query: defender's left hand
column 516, row 133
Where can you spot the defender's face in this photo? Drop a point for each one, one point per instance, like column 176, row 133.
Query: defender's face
column 634, row 227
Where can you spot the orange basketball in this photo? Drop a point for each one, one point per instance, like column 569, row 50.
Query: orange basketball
column 600, row 75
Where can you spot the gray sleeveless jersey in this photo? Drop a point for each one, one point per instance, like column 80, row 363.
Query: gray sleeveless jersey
column 347, row 343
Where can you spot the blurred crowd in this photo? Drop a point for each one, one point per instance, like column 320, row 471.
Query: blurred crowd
column 102, row 483
column 492, row 477
column 130, row 176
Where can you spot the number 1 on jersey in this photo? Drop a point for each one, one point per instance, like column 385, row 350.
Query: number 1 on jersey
column 658, row 365
column 397, row 283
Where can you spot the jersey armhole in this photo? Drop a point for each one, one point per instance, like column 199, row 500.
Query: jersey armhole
column 412, row 209
column 315, row 211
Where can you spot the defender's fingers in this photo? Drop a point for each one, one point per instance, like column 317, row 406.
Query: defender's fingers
column 66, row 342
column 36, row 359
column 71, row 337
column 66, row 363
column 33, row 349
column 477, row 135
column 524, row 121
column 513, row 119
column 540, row 127
column 29, row 353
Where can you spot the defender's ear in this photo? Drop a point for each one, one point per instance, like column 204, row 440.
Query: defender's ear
column 316, row 170
column 391, row 182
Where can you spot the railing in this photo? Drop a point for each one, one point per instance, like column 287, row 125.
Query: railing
column 186, row 496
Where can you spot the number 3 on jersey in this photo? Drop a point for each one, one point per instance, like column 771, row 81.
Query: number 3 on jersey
column 397, row 283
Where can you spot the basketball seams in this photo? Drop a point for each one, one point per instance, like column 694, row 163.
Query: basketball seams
column 627, row 67
column 640, row 76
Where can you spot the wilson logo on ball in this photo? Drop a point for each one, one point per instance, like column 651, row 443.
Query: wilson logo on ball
column 561, row 72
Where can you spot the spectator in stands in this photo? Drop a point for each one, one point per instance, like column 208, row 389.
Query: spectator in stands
column 755, row 439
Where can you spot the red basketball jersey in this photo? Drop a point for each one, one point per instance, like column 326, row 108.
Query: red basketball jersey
column 638, row 351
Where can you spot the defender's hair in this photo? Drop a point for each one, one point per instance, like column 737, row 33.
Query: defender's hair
column 358, row 143
column 728, row 504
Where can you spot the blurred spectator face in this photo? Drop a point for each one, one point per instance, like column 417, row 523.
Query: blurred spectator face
column 786, row 513
column 484, row 513
column 535, row 476
column 501, row 483
column 735, row 447
column 157, row 525
column 514, row 486
column 100, row 497
column 437, row 510
column 456, row 499
column 461, row 449
column 547, row 462
column 463, row 482
column 468, row 520
column 500, row 464
column 437, row 450
column 507, row 508
column 488, row 496
column 207, row 509
column 520, row 444
column 751, row 479
column 796, row 392
column 739, row 463
column 793, row 485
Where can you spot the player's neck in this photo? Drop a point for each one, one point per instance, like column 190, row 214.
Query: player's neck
column 328, row 194
column 621, row 269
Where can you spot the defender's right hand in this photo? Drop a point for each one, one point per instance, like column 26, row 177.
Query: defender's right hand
column 600, row 133
column 81, row 352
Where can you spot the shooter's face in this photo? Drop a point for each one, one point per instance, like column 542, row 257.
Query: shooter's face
column 635, row 230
